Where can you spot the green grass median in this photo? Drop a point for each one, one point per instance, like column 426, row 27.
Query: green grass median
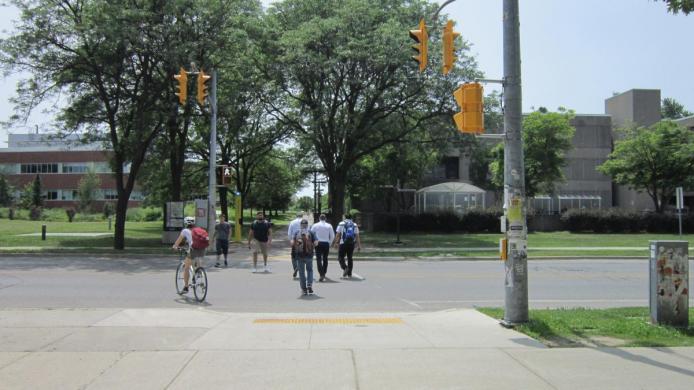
column 619, row 327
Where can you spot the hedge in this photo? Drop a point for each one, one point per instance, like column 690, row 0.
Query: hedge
column 623, row 221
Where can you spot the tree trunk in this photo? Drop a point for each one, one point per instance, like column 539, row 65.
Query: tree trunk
column 336, row 196
column 223, row 201
column 119, row 233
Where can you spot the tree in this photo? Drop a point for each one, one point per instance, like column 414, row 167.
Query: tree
column 36, row 198
column 672, row 109
column 656, row 159
column 86, row 190
column 349, row 85
column 275, row 182
column 675, row 6
column 5, row 192
column 106, row 57
column 304, row 203
column 547, row 137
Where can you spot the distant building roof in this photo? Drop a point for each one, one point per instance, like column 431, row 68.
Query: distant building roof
column 33, row 142
column 455, row 187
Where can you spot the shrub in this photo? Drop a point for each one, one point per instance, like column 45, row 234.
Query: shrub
column 70, row 214
column 35, row 213
column 144, row 214
column 54, row 215
column 474, row 221
column 623, row 221
column 108, row 209
column 84, row 217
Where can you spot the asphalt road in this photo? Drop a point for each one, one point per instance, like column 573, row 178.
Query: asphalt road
column 148, row 282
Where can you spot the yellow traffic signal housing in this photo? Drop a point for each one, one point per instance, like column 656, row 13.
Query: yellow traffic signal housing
column 422, row 47
column 470, row 119
column 182, row 78
column 202, row 86
column 449, row 57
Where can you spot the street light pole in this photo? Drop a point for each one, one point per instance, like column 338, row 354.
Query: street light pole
column 516, row 267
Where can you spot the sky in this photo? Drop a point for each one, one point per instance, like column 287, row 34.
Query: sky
column 574, row 54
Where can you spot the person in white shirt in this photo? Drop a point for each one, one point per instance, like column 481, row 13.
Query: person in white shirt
column 325, row 236
column 294, row 228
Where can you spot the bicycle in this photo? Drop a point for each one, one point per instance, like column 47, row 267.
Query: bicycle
column 198, row 275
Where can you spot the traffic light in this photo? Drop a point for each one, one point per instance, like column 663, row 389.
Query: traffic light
column 449, row 57
column 470, row 119
column 226, row 175
column 422, row 46
column 182, row 79
column 202, row 87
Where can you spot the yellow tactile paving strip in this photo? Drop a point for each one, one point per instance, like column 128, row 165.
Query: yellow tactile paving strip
column 330, row 321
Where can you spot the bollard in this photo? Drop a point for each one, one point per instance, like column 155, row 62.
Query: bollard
column 43, row 232
column 109, row 222
column 669, row 282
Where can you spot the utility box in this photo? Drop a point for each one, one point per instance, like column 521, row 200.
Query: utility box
column 669, row 283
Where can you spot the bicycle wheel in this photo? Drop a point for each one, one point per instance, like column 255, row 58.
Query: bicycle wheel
column 180, row 283
column 200, row 281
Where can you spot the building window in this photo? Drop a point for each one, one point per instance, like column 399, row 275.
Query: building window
column 75, row 168
column 69, row 194
column 110, row 194
column 52, row 195
column 451, row 166
column 39, row 168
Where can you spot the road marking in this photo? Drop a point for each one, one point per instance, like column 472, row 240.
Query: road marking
column 330, row 321
column 411, row 303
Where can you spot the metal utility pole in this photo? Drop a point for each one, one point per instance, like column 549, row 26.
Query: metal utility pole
column 516, row 267
column 212, row 189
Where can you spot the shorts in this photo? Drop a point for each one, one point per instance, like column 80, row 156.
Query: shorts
column 260, row 247
column 222, row 247
column 196, row 253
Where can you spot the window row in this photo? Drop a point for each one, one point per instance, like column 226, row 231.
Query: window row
column 81, row 167
column 105, row 194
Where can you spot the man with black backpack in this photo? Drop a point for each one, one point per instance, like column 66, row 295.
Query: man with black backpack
column 304, row 242
column 348, row 236
column 260, row 234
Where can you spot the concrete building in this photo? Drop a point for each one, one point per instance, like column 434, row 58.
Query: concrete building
column 61, row 164
column 593, row 141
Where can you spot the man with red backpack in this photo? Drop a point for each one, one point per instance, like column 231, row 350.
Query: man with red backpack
column 197, row 240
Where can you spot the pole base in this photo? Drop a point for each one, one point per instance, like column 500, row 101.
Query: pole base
column 509, row 325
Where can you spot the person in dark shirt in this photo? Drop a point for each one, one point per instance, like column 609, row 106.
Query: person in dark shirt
column 261, row 236
column 222, row 230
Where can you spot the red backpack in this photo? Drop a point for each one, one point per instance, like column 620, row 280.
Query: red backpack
column 200, row 238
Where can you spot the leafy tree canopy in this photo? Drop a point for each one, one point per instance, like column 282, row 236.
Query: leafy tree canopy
column 656, row 159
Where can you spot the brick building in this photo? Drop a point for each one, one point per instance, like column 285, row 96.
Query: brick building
column 61, row 164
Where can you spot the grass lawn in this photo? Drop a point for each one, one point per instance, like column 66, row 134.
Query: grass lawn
column 620, row 327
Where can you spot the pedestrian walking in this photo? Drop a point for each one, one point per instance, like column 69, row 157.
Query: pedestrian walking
column 294, row 227
column 325, row 235
column 304, row 242
column 261, row 236
column 348, row 237
column 222, row 231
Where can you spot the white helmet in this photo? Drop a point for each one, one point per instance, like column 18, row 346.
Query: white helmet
column 189, row 221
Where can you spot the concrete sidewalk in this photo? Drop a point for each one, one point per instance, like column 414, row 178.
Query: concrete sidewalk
column 199, row 348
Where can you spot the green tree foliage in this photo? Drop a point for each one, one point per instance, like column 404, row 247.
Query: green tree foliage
column 656, row 159
column 349, row 85
column 675, row 6
column 86, row 190
column 304, row 203
column 672, row 109
column 5, row 192
column 547, row 138
column 30, row 196
column 275, row 182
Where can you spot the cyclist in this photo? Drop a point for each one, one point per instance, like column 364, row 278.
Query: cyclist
column 191, row 253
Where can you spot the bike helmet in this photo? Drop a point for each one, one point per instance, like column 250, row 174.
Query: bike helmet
column 189, row 221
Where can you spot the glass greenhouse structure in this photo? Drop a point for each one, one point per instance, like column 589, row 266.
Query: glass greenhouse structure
column 451, row 196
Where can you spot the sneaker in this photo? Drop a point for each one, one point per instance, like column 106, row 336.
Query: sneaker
column 294, row 274
column 255, row 270
column 322, row 278
column 310, row 290
column 266, row 268
column 344, row 274
column 185, row 290
column 225, row 263
column 217, row 265
column 304, row 292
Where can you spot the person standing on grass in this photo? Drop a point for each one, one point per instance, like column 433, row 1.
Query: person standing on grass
column 294, row 227
column 325, row 235
column 347, row 236
column 260, row 234
column 222, row 230
column 304, row 242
